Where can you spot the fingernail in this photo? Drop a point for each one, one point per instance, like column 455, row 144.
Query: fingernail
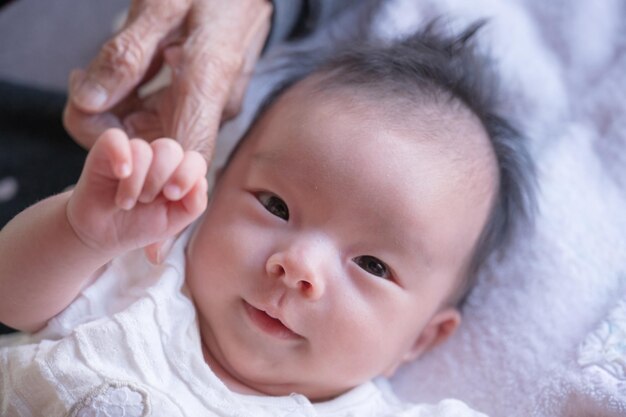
column 91, row 95
column 127, row 204
column 123, row 170
column 172, row 191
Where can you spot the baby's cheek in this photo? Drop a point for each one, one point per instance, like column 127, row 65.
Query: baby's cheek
column 357, row 341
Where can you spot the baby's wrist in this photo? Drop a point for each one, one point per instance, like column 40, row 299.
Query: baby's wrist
column 83, row 239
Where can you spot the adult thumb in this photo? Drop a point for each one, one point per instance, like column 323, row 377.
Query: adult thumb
column 123, row 61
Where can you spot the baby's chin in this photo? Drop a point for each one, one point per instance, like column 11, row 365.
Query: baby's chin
column 247, row 380
column 314, row 394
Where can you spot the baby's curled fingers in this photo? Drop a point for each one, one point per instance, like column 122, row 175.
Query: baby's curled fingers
column 182, row 212
column 191, row 205
column 110, row 156
column 129, row 188
column 192, row 168
column 167, row 155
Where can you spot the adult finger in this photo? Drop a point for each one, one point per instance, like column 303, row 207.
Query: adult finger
column 85, row 128
column 135, row 115
column 144, row 124
column 124, row 59
column 212, row 60
column 255, row 44
column 146, row 121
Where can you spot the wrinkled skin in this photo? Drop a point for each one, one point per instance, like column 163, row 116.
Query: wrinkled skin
column 211, row 46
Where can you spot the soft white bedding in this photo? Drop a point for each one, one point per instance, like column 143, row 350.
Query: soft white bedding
column 544, row 331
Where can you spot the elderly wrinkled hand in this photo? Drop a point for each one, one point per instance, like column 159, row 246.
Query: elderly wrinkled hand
column 211, row 46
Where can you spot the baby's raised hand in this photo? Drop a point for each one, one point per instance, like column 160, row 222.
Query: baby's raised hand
column 132, row 193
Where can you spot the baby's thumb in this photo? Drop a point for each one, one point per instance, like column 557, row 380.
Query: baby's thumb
column 156, row 252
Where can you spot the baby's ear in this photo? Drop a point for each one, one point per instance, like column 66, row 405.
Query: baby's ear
column 441, row 326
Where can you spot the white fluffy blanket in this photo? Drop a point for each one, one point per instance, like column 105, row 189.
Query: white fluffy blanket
column 544, row 332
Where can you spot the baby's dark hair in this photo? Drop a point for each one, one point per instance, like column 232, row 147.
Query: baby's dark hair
column 431, row 67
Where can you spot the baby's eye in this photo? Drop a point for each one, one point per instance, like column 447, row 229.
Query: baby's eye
column 372, row 265
column 274, row 205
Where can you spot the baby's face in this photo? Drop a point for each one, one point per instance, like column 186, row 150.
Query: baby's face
column 330, row 246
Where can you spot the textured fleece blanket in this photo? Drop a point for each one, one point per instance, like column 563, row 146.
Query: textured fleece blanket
column 544, row 331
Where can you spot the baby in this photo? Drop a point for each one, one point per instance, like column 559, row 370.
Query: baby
column 338, row 243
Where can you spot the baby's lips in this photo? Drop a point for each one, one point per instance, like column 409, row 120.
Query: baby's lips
column 271, row 320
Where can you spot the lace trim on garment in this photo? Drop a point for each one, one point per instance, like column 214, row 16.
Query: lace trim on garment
column 113, row 399
column 605, row 348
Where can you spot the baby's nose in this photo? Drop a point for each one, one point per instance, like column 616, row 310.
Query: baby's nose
column 302, row 267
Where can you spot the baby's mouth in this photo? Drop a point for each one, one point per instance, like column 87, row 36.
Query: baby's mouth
column 268, row 324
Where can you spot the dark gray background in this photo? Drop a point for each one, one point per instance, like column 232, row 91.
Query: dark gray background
column 42, row 40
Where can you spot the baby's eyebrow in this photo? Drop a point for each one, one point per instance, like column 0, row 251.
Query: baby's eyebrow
column 266, row 157
column 407, row 244
column 275, row 161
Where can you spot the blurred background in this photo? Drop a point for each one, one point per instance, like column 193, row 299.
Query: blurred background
column 41, row 41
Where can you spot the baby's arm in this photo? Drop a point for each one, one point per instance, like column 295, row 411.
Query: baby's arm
column 130, row 194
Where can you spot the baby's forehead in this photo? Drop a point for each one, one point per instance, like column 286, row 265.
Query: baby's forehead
column 317, row 113
column 428, row 119
column 427, row 110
